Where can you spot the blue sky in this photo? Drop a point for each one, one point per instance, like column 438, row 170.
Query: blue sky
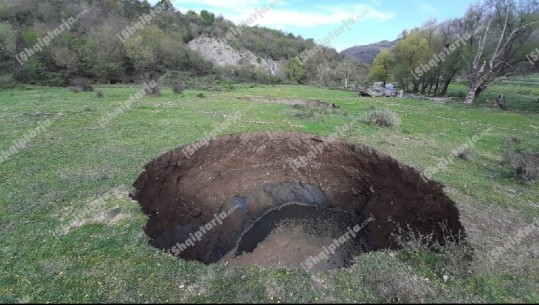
column 378, row 19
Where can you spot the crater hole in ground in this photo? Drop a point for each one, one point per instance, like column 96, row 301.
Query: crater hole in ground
column 282, row 199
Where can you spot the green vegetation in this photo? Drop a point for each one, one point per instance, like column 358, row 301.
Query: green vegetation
column 382, row 66
column 73, row 139
column 99, row 45
column 57, row 247
column 524, row 162
column 491, row 41
column 383, row 117
column 522, row 93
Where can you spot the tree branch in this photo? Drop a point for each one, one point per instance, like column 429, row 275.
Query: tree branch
column 496, row 54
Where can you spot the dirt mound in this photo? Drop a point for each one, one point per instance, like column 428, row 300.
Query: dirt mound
column 297, row 101
column 205, row 198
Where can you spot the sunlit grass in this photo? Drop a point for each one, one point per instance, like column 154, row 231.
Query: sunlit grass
column 76, row 161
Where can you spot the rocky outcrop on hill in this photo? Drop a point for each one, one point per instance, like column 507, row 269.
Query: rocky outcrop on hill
column 222, row 54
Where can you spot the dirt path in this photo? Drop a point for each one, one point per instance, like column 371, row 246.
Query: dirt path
column 297, row 101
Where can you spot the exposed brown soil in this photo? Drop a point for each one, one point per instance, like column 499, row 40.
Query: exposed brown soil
column 288, row 235
column 184, row 189
column 297, row 101
column 288, row 247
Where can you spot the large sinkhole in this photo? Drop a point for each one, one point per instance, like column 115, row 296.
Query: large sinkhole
column 285, row 200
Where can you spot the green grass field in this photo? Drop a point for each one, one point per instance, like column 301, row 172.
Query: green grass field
column 59, row 245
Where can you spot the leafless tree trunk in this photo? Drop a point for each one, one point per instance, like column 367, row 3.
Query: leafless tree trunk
column 150, row 85
column 501, row 101
column 489, row 64
column 347, row 69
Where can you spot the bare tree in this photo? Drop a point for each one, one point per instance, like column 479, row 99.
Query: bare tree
column 453, row 64
column 65, row 57
column 347, row 69
column 507, row 25
column 8, row 39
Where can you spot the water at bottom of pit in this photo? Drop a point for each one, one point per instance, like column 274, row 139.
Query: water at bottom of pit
column 304, row 236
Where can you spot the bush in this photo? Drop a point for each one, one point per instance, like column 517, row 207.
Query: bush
column 382, row 117
column 7, row 82
column 465, row 154
column 82, row 83
column 461, row 94
column 524, row 164
column 456, row 93
column 201, row 95
column 35, row 73
column 275, row 80
column 449, row 255
column 512, row 140
column 155, row 91
column 178, row 88
column 303, row 112
column 229, row 86
column 99, row 94
column 75, row 89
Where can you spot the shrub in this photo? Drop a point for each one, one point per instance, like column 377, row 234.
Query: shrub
column 465, row 154
column 75, row 89
column 155, row 91
column 275, row 80
column 87, row 87
column 525, row 164
column 512, row 140
column 35, row 73
column 178, row 88
column 303, row 112
column 461, row 94
column 99, row 94
column 456, row 93
column 449, row 255
column 82, row 83
column 229, row 86
column 201, row 95
column 7, row 82
column 382, row 117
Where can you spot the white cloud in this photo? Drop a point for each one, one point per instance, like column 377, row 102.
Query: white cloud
column 427, row 8
column 328, row 16
column 230, row 4
column 282, row 14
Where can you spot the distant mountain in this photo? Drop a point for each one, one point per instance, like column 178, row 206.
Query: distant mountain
column 367, row 53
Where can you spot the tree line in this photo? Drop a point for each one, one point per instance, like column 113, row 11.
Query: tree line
column 491, row 41
column 107, row 44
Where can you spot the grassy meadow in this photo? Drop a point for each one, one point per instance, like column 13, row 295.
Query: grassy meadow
column 60, row 243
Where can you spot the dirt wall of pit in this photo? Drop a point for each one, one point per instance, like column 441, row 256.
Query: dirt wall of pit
column 184, row 189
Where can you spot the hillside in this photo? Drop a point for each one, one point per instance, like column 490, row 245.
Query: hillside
column 367, row 53
column 108, row 43
column 157, row 154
